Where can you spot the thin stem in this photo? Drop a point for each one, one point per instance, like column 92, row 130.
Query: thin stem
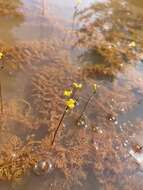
column 1, row 99
column 74, row 17
column 85, row 106
column 73, row 22
column 57, row 129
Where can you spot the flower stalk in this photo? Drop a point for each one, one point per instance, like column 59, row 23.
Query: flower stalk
column 88, row 101
column 57, row 129
column 1, row 99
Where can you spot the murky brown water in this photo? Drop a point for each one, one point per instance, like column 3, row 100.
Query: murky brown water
column 40, row 63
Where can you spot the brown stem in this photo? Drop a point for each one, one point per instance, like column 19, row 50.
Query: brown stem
column 1, row 99
column 56, row 131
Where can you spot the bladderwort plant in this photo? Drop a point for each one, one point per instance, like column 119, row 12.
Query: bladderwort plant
column 71, row 102
column 1, row 67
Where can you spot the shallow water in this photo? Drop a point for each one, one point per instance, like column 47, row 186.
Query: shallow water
column 47, row 21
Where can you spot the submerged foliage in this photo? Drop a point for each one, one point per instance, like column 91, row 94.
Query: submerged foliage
column 99, row 143
column 27, row 131
column 112, row 30
column 9, row 7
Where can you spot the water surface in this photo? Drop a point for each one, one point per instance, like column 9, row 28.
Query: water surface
column 41, row 20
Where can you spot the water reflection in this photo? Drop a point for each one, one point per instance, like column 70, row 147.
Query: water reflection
column 10, row 18
column 42, row 18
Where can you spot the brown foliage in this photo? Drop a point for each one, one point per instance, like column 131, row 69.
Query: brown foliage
column 10, row 8
column 109, row 30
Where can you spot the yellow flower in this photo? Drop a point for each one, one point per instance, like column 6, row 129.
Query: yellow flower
column 78, row 2
column 1, row 55
column 77, row 85
column 132, row 44
column 94, row 87
column 68, row 93
column 70, row 103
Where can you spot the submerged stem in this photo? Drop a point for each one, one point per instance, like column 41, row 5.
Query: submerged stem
column 56, row 131
column 85, row 106
column 1, row 99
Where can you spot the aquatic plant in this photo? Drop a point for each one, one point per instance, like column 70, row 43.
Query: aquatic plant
column 10, row 7
column 22, row 55
column 70, row 104
column 112, row 30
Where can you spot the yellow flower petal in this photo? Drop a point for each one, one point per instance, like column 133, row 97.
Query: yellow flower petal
column 70, row 103
column 1, row 55
column 68, row 93
column 77, row 85
column 78, row 2
column 132, row 44
column 94, row 88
